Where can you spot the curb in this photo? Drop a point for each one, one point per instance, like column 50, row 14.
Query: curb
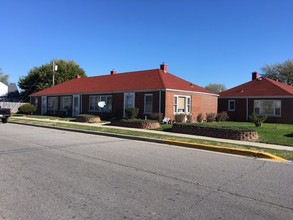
column 241, row 152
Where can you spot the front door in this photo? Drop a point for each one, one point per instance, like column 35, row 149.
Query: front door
column 129, row 101
column 76, row 105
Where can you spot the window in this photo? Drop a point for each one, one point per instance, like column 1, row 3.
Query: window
column 94, row 100
column 148, row 103
column 52, row 103
column 182, row 104
column 66, row 102
column 267, row 107
column 129, row 100
column 231, row 105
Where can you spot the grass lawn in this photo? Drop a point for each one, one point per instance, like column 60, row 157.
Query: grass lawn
column 46, row 117
column 84, row 127
column 270, row 133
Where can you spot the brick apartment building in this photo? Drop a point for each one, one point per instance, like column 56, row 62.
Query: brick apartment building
column 151, row 91
column 261, row 95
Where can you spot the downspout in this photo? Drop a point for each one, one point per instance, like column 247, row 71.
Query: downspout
column 80, row 103
column 160, row 100
column 246, row 109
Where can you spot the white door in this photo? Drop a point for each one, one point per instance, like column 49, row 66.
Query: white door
column 76, row 105
column 129, row 101
column 44, row 105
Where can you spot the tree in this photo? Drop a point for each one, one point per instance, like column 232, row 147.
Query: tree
column 282, row 72
column 40, row 78
column 215, row 87
column 3, row 77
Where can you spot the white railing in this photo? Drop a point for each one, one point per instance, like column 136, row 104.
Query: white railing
column 12, row 105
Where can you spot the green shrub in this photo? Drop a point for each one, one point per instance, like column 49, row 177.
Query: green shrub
column 199, row 117
column 189, row 119
column 180, row 118
column 157, row 116
column 258, row 120
column 132, row 112
column 27, row 109
column 222, row 116
column 88, row 118
column 211, row 117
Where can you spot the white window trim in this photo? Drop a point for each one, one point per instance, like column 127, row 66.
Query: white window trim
column 186, row 104
column 145, row 96
column 261, row 110
column 96, row 108
column 229, row 106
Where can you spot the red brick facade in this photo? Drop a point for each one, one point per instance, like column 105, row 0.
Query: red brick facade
column 200, row 103
column 163, row 102
column 245, row 107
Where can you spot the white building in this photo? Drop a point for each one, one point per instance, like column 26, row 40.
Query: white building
column 3, row 89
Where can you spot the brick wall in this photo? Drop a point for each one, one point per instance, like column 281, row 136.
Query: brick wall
column 200, row 103
column 130, row 124
column 216, row 132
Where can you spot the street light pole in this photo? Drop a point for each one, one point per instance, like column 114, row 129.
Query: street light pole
column 55, row 68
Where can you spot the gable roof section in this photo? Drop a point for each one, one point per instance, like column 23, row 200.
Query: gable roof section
column 155, row 79
column 260, row 87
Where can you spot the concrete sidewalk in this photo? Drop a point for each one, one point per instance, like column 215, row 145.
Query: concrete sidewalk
column 246, row 143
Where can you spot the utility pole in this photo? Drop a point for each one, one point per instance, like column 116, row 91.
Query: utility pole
column 55, row 68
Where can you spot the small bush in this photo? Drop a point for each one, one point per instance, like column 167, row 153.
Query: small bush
column 136, row 123
column 26, row 109
column 132, row 112
column 199, row 117
column 222, row 116
column 88, row 118
column 180, row 118
column 211, row 117
column 157, row 116
column 190, row 119
column 258, row 120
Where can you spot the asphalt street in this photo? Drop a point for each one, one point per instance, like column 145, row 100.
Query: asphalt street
column 53, row 174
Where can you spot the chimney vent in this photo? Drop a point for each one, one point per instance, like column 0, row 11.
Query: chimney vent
column 113, row 72
column 254, row 76
column 164, row 67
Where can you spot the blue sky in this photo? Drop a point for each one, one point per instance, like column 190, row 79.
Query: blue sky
column 202, row 41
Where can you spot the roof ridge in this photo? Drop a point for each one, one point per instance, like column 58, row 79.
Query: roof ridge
column 280, row 85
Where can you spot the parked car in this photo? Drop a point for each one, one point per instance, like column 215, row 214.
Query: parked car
column 5, row 113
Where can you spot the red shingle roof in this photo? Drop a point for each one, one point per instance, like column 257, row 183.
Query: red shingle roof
column 155, row 79
column 263, row 87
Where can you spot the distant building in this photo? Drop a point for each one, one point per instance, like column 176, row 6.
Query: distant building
column 3, row 91
column 13, row 93
column 262, row 96
column 9, row 93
